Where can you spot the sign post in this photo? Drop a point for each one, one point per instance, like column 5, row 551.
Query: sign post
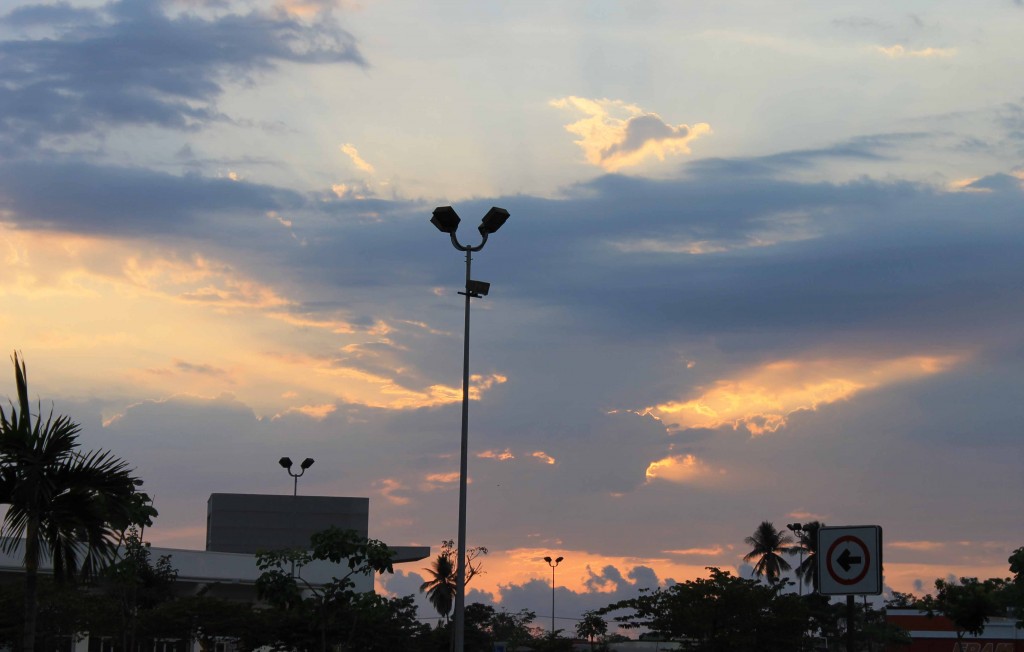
column 850, row 563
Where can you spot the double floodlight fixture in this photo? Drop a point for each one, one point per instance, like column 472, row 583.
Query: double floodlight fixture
column 447, row 221
column 286, row 462
column 557, row 561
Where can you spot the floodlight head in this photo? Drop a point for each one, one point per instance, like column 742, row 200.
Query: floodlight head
column 445, row 219
column 306, row 463
column 478, row 288
column 795, row 526
column 559, row 559
column 285, row 462
column 493, row 220
column 547, row 559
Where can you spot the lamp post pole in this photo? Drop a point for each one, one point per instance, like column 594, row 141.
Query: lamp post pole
column 798, row 530
column 447, row 221
column 553, row 564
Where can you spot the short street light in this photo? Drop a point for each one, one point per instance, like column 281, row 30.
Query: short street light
column 553, row 565
column 286, row 463
column 447, row 221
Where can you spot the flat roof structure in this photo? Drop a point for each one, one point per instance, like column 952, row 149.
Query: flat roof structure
column 251, row 522
column 240, row 525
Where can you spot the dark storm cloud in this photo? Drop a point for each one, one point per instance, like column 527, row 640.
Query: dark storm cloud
column 60, row 14
column 131, row 64
column 608, row 259
column 120, row 201
column 866, row 254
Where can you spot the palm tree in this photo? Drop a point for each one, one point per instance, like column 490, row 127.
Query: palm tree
column 768, row 543
column 65, row 505
column 807, row 542
column 440, row 588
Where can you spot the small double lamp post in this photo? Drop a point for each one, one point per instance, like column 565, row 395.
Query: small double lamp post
column 447, row 221
column 286, row 464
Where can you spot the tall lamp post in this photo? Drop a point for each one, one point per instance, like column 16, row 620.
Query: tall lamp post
column 286, row 463
column 798, row 530
column 447, row 221
column 553, row 564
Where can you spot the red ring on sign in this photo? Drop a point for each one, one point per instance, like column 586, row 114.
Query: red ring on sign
column 867, row 560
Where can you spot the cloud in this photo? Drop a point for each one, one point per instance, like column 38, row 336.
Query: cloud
column 203, row 369
column 501, row 456
column 543, row 457
column 613, row 143
column 393, row 490
column 128, row 63
column 79, row 197
column 897, row 51
column 762, row 399
column 916, row 545
column 682, row 469
column 350, row 150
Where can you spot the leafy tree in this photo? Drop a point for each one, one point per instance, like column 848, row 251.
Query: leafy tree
column 208, row 620
column 440, row 586
column 63, row 504
column 332, row 607
column 721, row 612
column 591, row 627
column 1015, row 587
column 134, row 586
column 968, row 605
column 768, row 546
column 513, row 627
column 903, row 601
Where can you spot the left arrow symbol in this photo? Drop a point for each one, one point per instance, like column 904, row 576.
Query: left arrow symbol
column 846, row 560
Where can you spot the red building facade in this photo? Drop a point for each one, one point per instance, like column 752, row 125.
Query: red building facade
column 938, row 634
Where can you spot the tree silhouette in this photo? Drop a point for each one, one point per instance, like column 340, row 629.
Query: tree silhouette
column 63, row 505
column 769, row 544
column 807, row 542
column 440, row 586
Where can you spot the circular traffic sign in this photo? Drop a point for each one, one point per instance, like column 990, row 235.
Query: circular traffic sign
column 848, row 564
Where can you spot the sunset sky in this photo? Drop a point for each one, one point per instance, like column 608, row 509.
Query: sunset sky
column 763, row 263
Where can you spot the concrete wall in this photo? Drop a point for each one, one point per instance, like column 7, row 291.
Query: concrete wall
column 245, row 523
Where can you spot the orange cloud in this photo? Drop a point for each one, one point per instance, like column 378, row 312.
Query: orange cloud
column 684, row 469
column 442, row 478
column 703, row 552
column 898, row 51
column 615, row 135
column 762, row 398
column 543, row 457
column 388, row 487
column 920, row 546
column 501, row 456
column 318, row 412
column 350, row 150
column 198, row 309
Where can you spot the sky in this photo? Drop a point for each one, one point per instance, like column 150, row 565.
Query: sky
column 763, row 263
